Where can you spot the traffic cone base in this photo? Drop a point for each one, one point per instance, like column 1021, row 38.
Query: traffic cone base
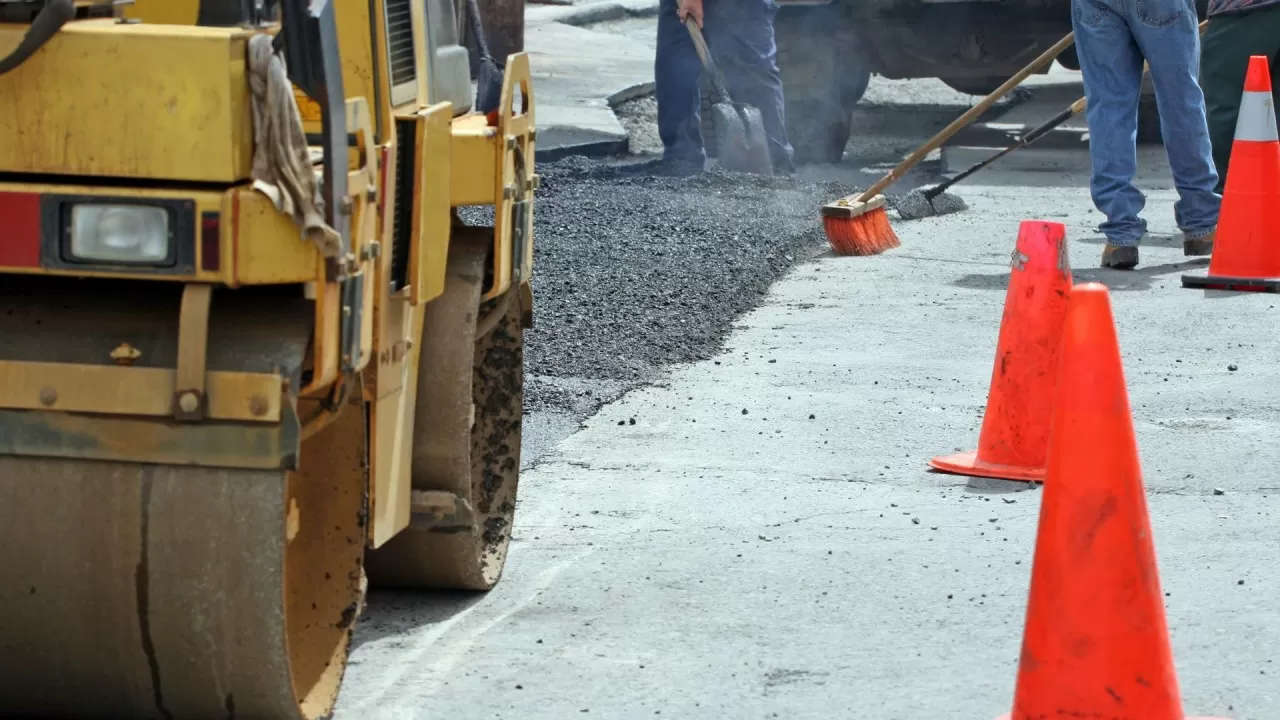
column 1246, row 253
column 1238, row 284
column 1014, row 437
column 1007, row 716
column 967, row 463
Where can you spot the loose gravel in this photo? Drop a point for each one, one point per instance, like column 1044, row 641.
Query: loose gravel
column 639, row 118
column 634, row 271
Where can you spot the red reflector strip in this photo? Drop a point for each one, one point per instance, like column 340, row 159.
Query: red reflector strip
column 210, row 242
column 19, row 230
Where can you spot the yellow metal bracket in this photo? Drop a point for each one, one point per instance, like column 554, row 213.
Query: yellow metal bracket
column 365, row 178
column 139, row 391
column 189, row 397
column 363, row 185
column 515, row 179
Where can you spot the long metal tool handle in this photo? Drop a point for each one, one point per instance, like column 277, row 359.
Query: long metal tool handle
column 1074, row 109
column 708, row 62
column 964, row 120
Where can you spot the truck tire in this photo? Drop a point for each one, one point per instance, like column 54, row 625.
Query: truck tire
column 823, row 77
column 819, row 89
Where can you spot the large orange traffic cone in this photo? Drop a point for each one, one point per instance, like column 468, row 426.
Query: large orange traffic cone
column 1095, row 643
column 1015, row 427
column 1246, row 252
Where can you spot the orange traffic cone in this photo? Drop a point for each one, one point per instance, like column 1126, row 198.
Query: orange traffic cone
column 1015, row 427
column 1095, row 643
column 1246, row 252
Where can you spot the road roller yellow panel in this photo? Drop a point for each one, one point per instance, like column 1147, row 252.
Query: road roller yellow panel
column 475, row 150
column 431, row 216
column 184, row 113
column 392, row 388
column 265, row 245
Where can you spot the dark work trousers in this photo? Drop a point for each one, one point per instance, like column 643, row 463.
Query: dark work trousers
column 740, row 35
column 1229, row 41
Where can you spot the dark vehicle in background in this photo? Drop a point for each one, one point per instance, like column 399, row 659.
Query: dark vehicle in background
column 829, row 49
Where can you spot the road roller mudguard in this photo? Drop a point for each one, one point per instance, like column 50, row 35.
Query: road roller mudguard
column 252, row 360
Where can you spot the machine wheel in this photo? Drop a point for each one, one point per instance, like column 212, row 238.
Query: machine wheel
column 151, row 591
column 467, row 430
column 821, row 81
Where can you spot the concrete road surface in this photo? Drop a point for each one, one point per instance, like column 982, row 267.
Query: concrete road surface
column 757, row 536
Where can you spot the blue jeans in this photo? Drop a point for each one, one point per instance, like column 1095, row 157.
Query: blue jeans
column 1112, row 38
column 740, row 35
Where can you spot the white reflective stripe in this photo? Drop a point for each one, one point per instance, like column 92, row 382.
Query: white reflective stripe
column 1257, row 121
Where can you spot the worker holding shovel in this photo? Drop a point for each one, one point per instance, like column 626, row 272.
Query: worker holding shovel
column 1112, row 39
column 740, row 34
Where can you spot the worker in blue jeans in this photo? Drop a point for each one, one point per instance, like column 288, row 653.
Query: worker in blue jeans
column 740, row 35
column 1113, row 37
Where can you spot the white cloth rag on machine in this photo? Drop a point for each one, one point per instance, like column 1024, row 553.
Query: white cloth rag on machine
column 282, row 167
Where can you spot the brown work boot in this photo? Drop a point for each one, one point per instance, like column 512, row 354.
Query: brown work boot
column 1120, row 257
column 1199, row 246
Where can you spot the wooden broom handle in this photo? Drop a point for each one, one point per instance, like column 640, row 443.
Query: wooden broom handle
column 961, row 122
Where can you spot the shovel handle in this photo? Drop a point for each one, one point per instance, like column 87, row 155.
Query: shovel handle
column 704, row 54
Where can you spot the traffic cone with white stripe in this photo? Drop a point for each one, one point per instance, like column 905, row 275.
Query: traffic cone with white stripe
column 1246, row 253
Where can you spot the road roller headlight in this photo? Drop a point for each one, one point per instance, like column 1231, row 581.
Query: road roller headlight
column 124, row 234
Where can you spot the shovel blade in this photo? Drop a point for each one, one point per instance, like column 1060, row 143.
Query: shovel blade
column 743, row 146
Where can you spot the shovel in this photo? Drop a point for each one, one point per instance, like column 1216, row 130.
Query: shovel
column 740, row 137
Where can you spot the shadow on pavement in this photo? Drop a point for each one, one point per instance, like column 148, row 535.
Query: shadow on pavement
column 1140, row 278
column 1161, row 241
column 989, row 486
column 393, row 613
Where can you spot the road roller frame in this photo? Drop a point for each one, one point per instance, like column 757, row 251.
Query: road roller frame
column 209, row 449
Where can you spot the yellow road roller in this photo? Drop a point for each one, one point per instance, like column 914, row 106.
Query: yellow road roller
column 252, row 359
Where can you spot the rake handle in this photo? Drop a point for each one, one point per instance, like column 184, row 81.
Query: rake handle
column 1075, row 108
column 964, row 120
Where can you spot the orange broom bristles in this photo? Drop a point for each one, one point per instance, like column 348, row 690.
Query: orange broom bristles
column 869, row 233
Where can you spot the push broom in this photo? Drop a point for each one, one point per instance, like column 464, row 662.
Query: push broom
column 859, row 224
